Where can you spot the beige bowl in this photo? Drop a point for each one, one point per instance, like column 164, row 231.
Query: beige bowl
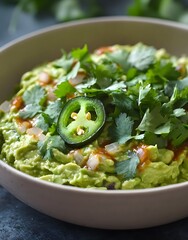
column 115, row 209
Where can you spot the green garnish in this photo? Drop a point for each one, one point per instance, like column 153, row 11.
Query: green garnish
column 35, row 95
column 81, row 120
column 29, row 111
column 127, row 168
column 105, row 105
column 63, row 89
column 46, row 146
column 34, row 99
column 122, row 131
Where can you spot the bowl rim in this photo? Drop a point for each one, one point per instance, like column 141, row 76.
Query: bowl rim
column 128, row 19
column 86, row 21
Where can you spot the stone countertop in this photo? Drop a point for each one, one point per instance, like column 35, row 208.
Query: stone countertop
column 19, row 221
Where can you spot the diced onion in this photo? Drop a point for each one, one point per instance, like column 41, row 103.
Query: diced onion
column 44, row 78
column 78, row 157
column 34, row 131
column 22, row 128
column 42, row 137
column 77, row 80
column 23, row 125
column 50, row 95
column 5, row 107
column 93, row 161
column 112, row 148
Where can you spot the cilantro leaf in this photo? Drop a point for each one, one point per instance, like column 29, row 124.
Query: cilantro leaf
column 63, row 89
column 151, row 138
column 179, row 132
column 143, row 93
column 125, row 104
column 151, row 120
column 53, row 110
column 179, row 112
column 116, row 86
column 121, row 131
column 120, row 57
column 80, row 53
column 85, row 85
column 72, row 73
column 128, row 167
column 180, row 92
column 29, row 111
column 41, row 122
column 182, row 84
column 165, row 69
column 49, row 117
column 122, row 101
column 64, row 62
column 149, row 97
column 35, row 95
column 45, row 147
column 105, row 71
column 142, row 56
column 163, row 129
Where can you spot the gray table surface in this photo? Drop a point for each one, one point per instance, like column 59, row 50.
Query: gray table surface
column 20, row 222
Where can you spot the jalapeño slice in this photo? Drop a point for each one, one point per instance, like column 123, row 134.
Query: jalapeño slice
column 81, row 120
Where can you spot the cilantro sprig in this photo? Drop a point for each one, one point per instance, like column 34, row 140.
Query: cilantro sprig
column 46, row 146
column 34, row 99
column 145, row 96
column 142, row 56
column 122, row 130
column 155, row 99
column 127, row 168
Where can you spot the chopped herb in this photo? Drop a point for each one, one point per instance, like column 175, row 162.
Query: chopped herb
column 29, row 111
column 85, row 85
column 122, row 130
column 179, row 132
column 125, row 104
column 179, row 112
column 63, row 89
column 116, row 86
column 80, row 53
column 41, row 122
column 34, row 99
column 53, row 110
column 127, row 168
column 151, row 120
column 46, row 146
column 64, row 62
column 72, row 73
column 120, row 57
column 143, row 95
column 36, row 96
column 142, row 57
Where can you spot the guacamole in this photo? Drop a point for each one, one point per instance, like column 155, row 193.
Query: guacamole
column 115, row 118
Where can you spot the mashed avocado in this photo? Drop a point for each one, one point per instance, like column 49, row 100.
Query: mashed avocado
column 112, row 119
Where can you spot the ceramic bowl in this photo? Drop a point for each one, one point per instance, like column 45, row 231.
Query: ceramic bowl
column 114, row 209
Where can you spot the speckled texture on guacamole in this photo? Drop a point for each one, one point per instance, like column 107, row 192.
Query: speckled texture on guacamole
column 143, row 142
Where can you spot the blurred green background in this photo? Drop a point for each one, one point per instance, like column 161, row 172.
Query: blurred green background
column 19, row 17
column 66, row 10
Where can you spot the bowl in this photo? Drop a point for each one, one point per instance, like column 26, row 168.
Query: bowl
column 107, row 209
